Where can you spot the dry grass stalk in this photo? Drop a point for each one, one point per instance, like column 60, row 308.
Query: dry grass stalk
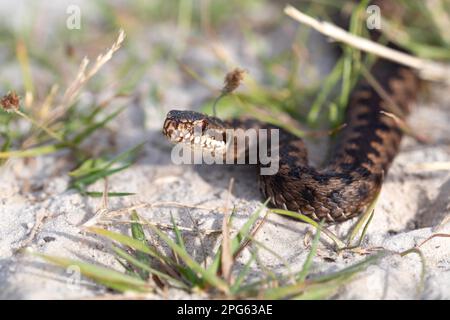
column 103, row 215
column 431, row 166
column 165, row 226
column 436, row 235
column 162, row 204
column 10, row 102
column 406, row 128
column 102, row 211
column 84, row 75
column 227, row 256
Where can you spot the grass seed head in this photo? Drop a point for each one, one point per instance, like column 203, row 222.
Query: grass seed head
column 233, row 80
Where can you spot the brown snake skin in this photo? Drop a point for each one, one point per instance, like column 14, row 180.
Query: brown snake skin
column 352, row 178
column 350, row 181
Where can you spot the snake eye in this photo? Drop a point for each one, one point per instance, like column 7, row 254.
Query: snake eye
column 202, row 124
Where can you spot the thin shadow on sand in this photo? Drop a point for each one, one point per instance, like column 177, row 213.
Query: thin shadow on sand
column 432, row 211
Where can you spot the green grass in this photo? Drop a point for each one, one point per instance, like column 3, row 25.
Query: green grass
column 53, row 132
column 280, row 98
column 149, row 269
column 426, row 34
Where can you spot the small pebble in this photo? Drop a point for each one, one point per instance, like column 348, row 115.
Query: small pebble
column 49, row 239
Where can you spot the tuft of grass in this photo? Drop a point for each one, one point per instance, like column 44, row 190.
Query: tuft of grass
column 149, row 269
column 94, row 169
column 63, row 125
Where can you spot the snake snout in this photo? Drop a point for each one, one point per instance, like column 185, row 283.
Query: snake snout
column 170, row 129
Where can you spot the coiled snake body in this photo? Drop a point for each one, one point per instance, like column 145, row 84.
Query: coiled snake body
column 350, row 181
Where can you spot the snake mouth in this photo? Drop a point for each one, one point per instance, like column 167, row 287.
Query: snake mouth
column 195, row 130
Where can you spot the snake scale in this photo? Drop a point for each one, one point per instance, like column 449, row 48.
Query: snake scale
column 351, row 179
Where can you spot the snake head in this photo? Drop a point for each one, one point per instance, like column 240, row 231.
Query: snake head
column 196, row 129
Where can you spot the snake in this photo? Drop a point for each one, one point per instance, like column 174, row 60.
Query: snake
column 350, row 180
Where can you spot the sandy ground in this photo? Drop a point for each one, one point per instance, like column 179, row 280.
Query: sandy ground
column 412, row 205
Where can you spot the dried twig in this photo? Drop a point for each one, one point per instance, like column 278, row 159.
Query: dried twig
column 40, row 217
column 165, row 226
column 102, row 211
column 103, row 215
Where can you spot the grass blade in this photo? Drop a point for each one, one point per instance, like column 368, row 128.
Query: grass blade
column 322, row 282
column 138, row 234
column 32, row 152
column 89, row 172
column 365, row 220
column 207, row 275
column 108, row 277
column 93, row 127
column 139, row 264
column 185, row 271
column 125, row 240
column 359, row 266
column 417, row 251
column 178, row 235
column 6, row 145
column 329, row 83
column 98, row 194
